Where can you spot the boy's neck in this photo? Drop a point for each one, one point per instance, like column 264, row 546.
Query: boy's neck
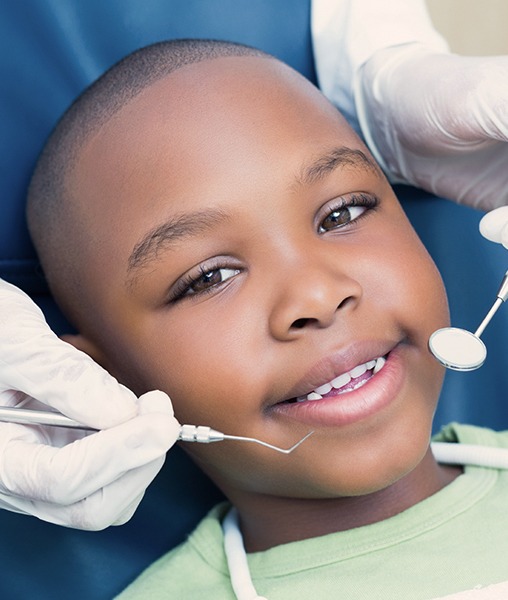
column 268, row 521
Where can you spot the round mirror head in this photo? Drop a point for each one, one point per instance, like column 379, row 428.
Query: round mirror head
column 458, row 349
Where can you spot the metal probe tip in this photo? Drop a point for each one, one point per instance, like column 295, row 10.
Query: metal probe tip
column 205, row 435
column 282, row 450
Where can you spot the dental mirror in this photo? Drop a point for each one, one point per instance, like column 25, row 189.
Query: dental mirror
column 458, row 349
column 461, row 350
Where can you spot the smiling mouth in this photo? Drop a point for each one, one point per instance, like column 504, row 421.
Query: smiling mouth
column 344, row 383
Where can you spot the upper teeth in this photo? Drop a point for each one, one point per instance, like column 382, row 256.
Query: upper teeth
column 376, row 365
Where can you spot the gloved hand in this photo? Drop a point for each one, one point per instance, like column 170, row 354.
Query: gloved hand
column 438, row 121
column 68, row 476
column 494, row 226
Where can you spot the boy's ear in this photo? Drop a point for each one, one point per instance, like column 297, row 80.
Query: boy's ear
column 88, row 347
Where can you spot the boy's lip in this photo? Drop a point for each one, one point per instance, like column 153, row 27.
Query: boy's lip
column 352, row 406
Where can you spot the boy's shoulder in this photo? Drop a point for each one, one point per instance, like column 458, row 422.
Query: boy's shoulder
column 196, row 566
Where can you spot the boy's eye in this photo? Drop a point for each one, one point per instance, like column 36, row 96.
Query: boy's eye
column 210, row 278
column 205, row 281
column 341, row 216
column 347, row 211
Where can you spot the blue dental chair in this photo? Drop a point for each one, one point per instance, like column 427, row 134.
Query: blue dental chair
column 50, row 50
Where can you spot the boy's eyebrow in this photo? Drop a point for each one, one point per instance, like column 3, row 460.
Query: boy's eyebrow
column 176, row 228
column 341, row 156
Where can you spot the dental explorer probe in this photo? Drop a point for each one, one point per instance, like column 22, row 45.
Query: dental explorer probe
column 462, row 350
column 188, row 433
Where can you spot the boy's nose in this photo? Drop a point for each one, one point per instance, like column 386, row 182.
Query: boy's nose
column 312, row 297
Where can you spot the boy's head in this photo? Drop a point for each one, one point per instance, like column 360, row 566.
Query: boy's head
column 215, row 229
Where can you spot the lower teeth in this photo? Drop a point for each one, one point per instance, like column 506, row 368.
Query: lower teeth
column 313, row 396
column 355, row 387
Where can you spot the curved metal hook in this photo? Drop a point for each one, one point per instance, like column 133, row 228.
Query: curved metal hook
column 206, row 435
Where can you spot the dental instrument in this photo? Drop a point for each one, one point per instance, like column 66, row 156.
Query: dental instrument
column 462, row 350
column 188, row 433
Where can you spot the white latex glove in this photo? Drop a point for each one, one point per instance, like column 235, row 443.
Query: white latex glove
column 68, row 476
column 494, row 226
column 438, row 121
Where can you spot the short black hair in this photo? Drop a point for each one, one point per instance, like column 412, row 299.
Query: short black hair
column 49, row 201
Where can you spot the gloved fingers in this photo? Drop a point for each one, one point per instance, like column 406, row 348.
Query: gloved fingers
column 486, row 101
column 119, row 501
column 494, row 226
column 35, row 361
column 112, row 505
column 469, row 106
column 73, row 472
column 13, row 398
column 438, row 121
column 476, row 179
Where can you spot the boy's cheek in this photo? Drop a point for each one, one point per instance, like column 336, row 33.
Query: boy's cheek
column 410, row 281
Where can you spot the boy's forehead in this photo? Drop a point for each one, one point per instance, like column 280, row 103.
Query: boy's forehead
column 225, row 86
column 206, row 104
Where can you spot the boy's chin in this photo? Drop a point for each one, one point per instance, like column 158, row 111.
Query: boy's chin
column 388, row 474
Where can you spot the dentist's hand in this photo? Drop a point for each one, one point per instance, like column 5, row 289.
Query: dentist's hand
column 64, row 476
column 438, row 121
column 494, row 226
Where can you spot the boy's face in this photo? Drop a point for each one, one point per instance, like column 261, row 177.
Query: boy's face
column 244, row 250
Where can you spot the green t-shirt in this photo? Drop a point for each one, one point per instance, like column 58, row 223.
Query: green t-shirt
column 453, row 541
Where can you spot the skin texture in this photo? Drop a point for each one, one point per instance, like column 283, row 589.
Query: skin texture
column 238, row 142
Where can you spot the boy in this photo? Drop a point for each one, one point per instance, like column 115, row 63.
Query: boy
column 215, row 229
